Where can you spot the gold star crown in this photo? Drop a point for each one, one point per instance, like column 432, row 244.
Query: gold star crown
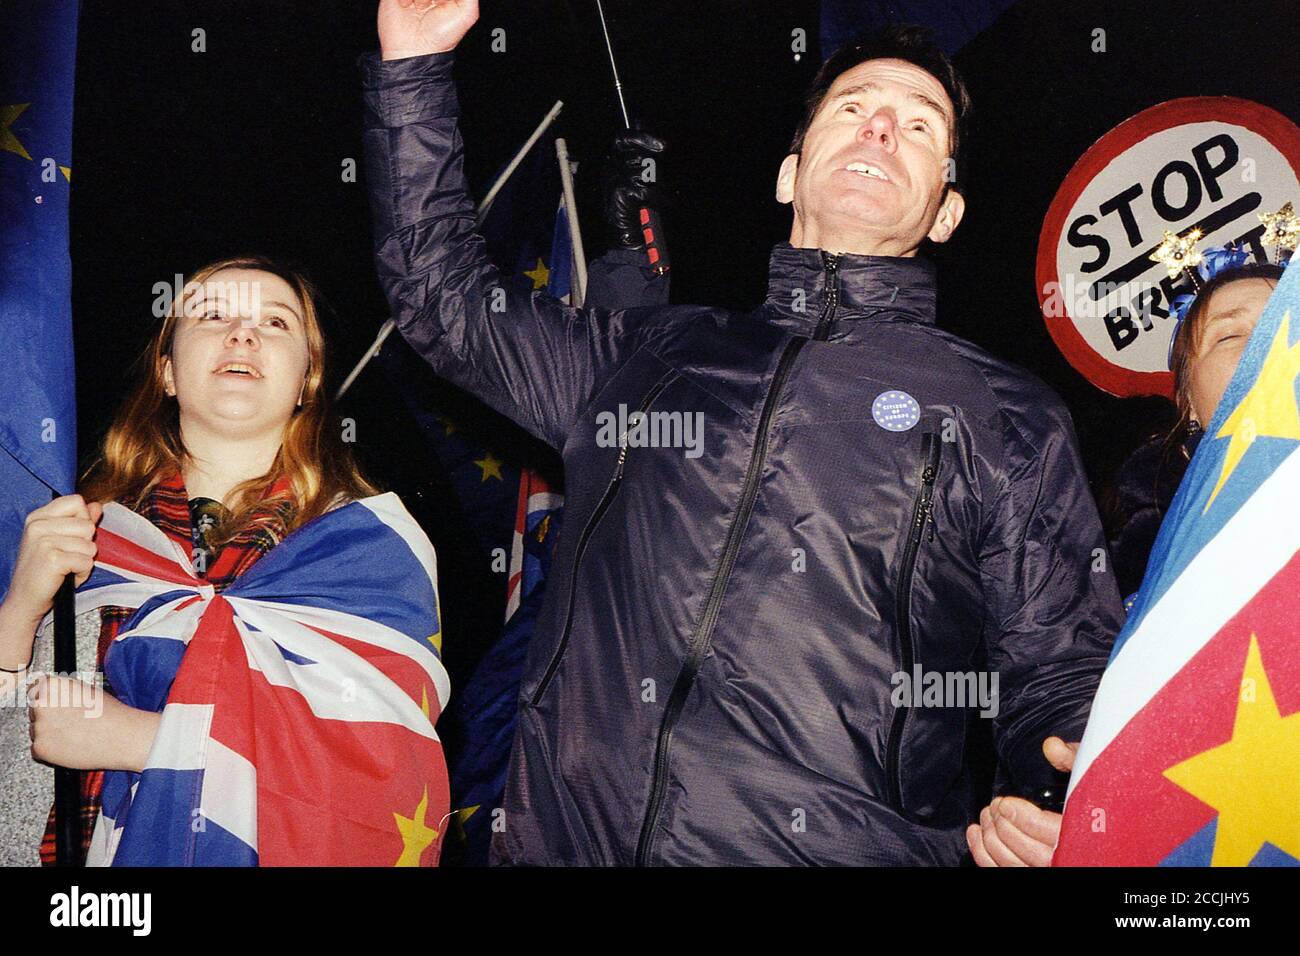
column 1281, row 229
column 1179, row 254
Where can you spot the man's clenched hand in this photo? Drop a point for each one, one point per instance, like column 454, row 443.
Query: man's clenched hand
column 418, row 27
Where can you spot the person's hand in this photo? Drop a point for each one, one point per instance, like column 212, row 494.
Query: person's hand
column 1014, row 832
column 79, row 725
column 418, row 27
column 58, row 539
column 629, row 185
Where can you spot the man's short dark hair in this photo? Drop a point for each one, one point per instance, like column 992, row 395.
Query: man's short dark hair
column 907, row 42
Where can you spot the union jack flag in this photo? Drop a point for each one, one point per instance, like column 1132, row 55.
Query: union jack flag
column 298, row 705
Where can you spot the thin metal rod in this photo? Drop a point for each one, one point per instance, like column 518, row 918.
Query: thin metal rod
column 482, row 210
column 491, row 196
column 613, row 65
column 384, row 331
column 578, row 295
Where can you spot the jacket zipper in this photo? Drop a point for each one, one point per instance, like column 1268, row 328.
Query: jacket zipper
column 709, row 618
column 611, row 491
column 922, row 516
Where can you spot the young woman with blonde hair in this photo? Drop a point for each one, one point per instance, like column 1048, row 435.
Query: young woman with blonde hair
column 269, row 630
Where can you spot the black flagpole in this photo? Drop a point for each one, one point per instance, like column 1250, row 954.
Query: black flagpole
column 67, row 782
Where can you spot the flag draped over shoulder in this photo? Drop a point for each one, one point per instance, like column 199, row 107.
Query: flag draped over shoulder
column 298, row 705
column 38, row 425
column 1192, row 752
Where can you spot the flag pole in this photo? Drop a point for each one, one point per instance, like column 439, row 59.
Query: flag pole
column 491, row 196
column 386, row 329
column 613, row 65
column 67, row 781
column 575, row 231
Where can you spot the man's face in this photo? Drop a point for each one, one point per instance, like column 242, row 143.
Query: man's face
column 871, row 176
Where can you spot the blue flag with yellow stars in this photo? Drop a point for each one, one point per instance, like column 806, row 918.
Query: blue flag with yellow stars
column 525, row 228
column 38, row 424
column 1191, row 756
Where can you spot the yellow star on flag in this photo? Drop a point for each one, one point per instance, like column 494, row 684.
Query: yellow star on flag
column 417, row 836
column 540, row 276
column 1268, row 409
column 8, row 141
column 491, row 466
column 436, row 640
column 1253, row 780
column 461, row 815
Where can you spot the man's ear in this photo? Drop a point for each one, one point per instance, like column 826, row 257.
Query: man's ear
column 169, row 378
column 950, row 212
column 785, row 179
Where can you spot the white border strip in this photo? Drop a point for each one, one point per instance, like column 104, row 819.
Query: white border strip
column 1232, row 567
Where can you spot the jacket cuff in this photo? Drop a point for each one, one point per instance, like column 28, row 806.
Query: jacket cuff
column 1025, row 761
column 411, row 90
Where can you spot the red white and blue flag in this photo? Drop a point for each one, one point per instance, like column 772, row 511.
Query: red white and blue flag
column 538, row 506
column 1192, row 752
column 298, row 705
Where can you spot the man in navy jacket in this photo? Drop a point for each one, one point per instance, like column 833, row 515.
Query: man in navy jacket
column 802, row 543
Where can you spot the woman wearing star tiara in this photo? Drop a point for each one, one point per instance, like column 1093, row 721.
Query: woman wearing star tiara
column 1212, row 326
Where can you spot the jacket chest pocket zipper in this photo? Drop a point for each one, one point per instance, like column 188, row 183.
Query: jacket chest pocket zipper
column 611, row 492
column 920, row 527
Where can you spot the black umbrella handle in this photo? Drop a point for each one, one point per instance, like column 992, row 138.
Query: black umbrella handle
column 67, row 782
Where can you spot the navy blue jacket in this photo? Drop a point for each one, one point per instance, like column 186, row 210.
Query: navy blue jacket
column 715, row 672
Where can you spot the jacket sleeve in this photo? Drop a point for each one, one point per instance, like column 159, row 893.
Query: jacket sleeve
column 1052, row 606
column 527, row 355
column 622, row 279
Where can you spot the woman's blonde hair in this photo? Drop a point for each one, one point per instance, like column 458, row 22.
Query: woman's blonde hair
column 143, row 446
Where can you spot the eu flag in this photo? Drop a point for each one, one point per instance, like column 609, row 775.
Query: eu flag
column 38, row 425
column 1192, row 752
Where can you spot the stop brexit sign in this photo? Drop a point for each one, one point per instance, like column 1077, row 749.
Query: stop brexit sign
column 1215, row 163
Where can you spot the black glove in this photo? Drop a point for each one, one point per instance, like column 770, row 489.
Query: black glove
column 630, row 184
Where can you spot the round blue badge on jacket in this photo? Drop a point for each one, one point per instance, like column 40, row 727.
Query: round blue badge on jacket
column 895, row 411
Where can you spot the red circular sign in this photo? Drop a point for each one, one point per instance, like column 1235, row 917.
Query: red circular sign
column 1216, row 162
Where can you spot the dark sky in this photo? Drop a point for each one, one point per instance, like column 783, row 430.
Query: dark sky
column 181, row 157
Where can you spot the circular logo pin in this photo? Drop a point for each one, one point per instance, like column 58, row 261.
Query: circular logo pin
column 895, row 411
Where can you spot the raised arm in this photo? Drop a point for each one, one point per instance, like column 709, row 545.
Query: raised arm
column 522, row 352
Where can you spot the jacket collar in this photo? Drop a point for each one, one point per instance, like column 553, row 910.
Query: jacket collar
column 802, row 283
